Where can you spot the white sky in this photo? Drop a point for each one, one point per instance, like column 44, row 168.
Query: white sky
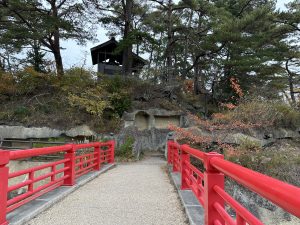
column 76, row 55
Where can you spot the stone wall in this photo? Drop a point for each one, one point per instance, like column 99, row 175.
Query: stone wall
column 142, row 120
column 145, row 140
column 154, row 118
column 162, row 122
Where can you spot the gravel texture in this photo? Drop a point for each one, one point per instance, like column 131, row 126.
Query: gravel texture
column 132, row 193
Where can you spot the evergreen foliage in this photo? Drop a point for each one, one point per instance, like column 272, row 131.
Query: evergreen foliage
column 204, row 44
column 45, row 22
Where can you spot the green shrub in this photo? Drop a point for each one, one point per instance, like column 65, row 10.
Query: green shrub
column 76, row 80
column 254, row 111
column 110, row 95
column 288, row 116
column 120, row 102
column 116, row 83
column 247, row 144
column 92, row 100
column 125, row 149
column 7, row 84
column 28, row 81
column 118, row 91
column 274, row 164
column 262, row 113
column 5, row 115
column 45, row 108
column 22, row 112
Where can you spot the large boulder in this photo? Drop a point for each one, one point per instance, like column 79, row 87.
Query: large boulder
column 21, row 132
column 258, row 136
column 83, row 130
column 239, row 138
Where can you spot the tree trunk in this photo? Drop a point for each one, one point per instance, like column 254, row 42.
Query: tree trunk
column 186, row 47
column 196, row 80
column 55, row 44
column 58, row 63
column 169, row 43
column 127, row 52
column 292, row 93
column 291, row 82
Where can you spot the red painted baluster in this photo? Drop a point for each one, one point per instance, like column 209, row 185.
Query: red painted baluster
column 198, row 185
column 176, row 159
column 81, row 163
column 70, row 181
column 185, row 171
column 168, row 152
column 53, row 170
column 171, row 154
column 240, row 220
column 179, row 160
column 97, row 156
column 87, row 163
column 31, row 177
column 112, row 152
column 4, row 160
column 212, row 177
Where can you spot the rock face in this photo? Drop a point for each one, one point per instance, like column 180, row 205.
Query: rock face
column 83, row 130
column 145, row 140
column 258, row 206
column 260, row 137
column 20, row 132
column 154, row 118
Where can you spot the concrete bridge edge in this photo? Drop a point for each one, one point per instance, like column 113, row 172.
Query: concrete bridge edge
column 192, row 208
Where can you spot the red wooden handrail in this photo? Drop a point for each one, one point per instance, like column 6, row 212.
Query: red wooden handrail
column 211, row 193
column 278, row 192
column 38, row 151
column 71, row 167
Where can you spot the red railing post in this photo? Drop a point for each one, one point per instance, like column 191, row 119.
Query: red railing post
column 185, row 170
column 169, row 151
column 112, row 152
column 98, row 156
column 176, row 158
column 212, row 178
column 4, row 160
column 70, row 181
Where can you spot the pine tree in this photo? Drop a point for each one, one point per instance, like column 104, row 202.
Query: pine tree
column 47, row 22
column 290, row 20
column 36, row 58
column 123, row 18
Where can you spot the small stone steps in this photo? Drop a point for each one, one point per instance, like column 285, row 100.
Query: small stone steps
column 154, row 154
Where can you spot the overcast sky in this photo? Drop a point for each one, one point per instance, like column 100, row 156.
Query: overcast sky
column 75, row 55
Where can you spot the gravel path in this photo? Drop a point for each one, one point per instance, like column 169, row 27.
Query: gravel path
column 133, row 193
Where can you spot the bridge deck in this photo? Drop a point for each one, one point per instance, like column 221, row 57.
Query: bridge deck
column 133, row 193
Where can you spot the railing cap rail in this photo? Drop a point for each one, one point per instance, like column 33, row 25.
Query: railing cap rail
column 282, row 194
column 39, row 151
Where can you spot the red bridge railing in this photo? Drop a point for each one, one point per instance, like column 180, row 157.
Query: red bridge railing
column 62, row 172
column 208, row 186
